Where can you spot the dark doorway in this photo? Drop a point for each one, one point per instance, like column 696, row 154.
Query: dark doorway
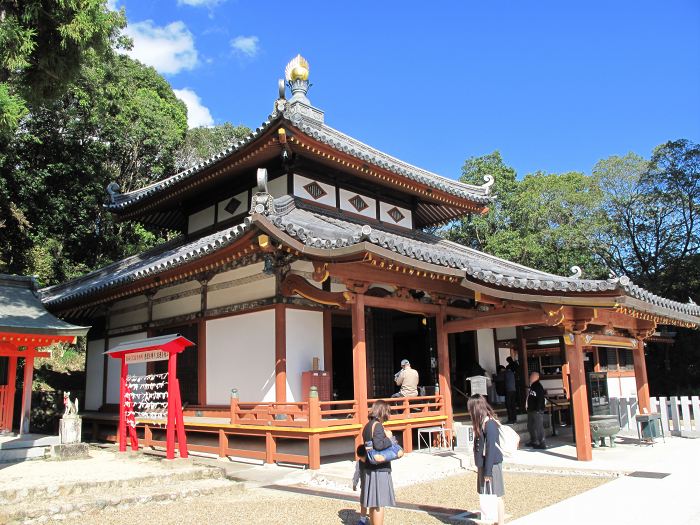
column 393, row 336
column 341, row 335
column 463, row 363
column 187, row 369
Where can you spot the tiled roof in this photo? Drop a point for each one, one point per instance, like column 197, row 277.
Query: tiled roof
column 329, row 136
column 21, row 310
column 153, row 262
column 329, row 230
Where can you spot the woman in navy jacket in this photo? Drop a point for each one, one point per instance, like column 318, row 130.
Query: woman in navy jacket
column 487, row 456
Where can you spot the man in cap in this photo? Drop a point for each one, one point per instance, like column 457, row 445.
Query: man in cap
column 407, row 379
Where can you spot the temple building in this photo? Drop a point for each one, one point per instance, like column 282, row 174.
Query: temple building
column 303, row 259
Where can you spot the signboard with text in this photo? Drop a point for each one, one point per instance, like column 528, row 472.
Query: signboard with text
column 146, row 356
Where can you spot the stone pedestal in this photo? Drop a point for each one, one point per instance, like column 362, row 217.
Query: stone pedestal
column 70, row 451
column 70, row 429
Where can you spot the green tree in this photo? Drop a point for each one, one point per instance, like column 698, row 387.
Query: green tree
column 202, row 143
column 119, row 122
column 43, row 45
column 547, row 221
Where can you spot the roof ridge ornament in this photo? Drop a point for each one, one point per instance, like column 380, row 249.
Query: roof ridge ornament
column 298, row 107
column 576, row 272
column 297, row 76
column 113, row 190
column 489, row 181
column 262, row 201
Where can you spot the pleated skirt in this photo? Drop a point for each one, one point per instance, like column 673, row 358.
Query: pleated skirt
column 377, row 489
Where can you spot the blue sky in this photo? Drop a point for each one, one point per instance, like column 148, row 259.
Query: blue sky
column 553, row 85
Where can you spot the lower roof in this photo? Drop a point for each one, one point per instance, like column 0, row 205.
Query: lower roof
column 21, row 311
column 328, row 234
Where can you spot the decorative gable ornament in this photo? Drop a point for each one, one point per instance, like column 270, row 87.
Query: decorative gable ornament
column 262, row 201
column 232, row 205
column 396, row 214
column 358, row 203
column 315, row 190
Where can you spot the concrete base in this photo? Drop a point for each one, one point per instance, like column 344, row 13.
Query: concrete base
column 70, row 451
column 25, row 447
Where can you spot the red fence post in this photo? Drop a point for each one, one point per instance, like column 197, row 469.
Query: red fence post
column 234, row 406
column 122, row 416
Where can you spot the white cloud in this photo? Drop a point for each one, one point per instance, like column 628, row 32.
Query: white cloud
column 169, row 49
column 245, row 45
column 197, row 113
column 200, row 3
column 112, row 5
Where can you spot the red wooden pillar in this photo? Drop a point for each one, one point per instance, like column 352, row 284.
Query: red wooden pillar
column 9, row 407
column 170, row 429
column 280, row 353
column 640, row 376
column 27, row 392
column 314, row 436
column 579, row 398
column 121, row 435
column 443, row 352
column 359, row 357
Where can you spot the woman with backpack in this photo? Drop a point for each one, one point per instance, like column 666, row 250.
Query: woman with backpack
column 487, row 456
column 376, row 487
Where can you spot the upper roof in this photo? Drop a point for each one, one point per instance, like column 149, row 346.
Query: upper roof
column 301, row 117
column 21, row 311
column 324, row 233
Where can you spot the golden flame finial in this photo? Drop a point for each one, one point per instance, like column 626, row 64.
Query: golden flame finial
column 297, row 69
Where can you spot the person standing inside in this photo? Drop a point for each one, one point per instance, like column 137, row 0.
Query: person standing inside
column 514, row 366
column 535, row 412
column 377, row 487
column 511, row 395
column 407, row 380
column 487, row 456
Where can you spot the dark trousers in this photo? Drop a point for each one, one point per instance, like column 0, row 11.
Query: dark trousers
column 511, row 400
column 535, row 426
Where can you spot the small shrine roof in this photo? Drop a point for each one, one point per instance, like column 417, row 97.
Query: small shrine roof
column 21, row 311
column 171, row 342
column 327, row 233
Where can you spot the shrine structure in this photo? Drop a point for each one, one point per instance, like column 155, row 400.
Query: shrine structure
column 26, row 332
column 299, row 245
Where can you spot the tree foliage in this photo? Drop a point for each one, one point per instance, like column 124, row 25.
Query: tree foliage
column 120, row 121
column 546, row 221
column 202, row 143
column 44, row 44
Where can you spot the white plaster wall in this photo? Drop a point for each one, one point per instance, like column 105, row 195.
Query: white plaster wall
column 236, row 273
column 182, row 306
column 328, row 199
column 244, row 205
column 369, row 211
column 485, row 350
column 114, row 366
column 133, row 316
column 406, row 221
column 240, row 294
column 241, row 354
column 131, row 301
column 200, row 220
column 277, row 187
column 505, row 333
column 302, row 266
column 304, row 342
column 622, row 387
column 94, row 374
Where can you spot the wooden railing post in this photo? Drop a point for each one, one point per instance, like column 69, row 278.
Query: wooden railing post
column 147, row 436
column 234, row 406
column 314, row 437
column 223, row 443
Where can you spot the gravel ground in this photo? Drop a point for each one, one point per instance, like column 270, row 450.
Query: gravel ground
column 525, row 492
column 272, row 507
